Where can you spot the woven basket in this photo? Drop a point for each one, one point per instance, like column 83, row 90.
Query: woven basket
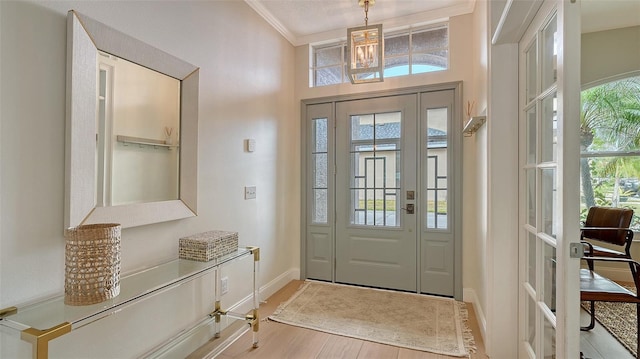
column 92, row 263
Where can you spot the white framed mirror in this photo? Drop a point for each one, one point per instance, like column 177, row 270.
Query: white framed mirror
column 87, row 41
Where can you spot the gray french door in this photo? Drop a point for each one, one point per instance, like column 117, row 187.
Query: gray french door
column 381, row 188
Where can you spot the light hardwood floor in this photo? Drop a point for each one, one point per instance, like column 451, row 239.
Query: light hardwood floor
column 599, row 344
column 286, row 341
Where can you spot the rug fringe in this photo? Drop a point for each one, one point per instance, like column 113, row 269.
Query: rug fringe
column 467, row 334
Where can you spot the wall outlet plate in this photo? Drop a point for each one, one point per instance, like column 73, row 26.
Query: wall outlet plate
column 250, row 192
column 224, row 285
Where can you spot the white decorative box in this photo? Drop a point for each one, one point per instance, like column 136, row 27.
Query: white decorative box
column 206, row 246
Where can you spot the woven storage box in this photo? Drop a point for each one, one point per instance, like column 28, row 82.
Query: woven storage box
column 206, row 246
column 92, row 263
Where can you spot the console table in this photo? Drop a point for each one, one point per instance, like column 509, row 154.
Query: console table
column 42, row 322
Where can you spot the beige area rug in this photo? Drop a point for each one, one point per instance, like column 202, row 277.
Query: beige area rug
column 408, row 320
column 619, row 319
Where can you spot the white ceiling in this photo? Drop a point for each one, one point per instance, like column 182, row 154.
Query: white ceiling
column 310, row 21
column 598, row 15
column 307, row 21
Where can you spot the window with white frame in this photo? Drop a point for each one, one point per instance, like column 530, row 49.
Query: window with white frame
column 407, row 52
column 610, row 147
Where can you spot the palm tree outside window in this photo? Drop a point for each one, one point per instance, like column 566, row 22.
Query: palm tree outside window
column 610, row 146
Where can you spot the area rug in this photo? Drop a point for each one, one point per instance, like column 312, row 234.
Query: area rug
column 407, row 320
column 619, row 319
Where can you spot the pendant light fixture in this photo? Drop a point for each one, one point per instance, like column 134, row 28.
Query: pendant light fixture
column 365, row 45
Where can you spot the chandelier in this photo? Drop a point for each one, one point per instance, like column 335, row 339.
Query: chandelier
column 365, row 45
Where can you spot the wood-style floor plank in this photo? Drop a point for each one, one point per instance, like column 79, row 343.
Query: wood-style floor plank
column 371, row 350
column 600, row 343
column 339, row 347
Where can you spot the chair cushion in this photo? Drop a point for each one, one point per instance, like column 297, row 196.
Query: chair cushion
column 596, row 287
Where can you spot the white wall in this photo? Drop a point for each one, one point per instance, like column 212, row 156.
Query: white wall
column 475, row 179
column 246, row 91
column 609, row 55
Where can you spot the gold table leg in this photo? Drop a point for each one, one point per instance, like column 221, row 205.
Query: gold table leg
column 39, row 339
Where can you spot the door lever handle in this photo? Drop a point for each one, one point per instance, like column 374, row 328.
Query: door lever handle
column 410, row 208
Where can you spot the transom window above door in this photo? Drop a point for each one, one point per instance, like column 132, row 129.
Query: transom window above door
column 407, row 52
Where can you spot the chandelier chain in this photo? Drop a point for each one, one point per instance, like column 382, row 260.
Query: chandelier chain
column 366, row 13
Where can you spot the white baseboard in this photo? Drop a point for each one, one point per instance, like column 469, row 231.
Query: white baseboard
column 469, row 295
column 267, row 290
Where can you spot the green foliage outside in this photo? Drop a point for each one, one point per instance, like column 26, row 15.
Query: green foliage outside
column 610, row 122
column 378, row 205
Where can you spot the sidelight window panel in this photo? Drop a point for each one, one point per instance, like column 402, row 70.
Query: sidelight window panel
column 320, row 179
column 436, row 178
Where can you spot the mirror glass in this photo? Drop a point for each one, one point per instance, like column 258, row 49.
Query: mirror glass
column 138, row 141
column 132, row 129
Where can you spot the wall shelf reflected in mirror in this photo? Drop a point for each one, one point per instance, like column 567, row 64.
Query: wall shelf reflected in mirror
column 144, row 141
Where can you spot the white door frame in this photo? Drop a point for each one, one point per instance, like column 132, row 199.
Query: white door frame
column 501, row 298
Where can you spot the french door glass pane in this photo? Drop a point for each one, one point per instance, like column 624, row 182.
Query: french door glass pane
column 531, row 196
column 549, row 54
column 531, row 260
column 549, row 277
column 548, row 193
column 375, row 180
column 549, row 123
column 437, row 168
column 319, row 158
column 532, row 71
column 549, row 340
column 532, row 128
column 530, row 325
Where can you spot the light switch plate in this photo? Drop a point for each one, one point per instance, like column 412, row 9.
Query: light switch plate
column 250, row 192
column 251, row 144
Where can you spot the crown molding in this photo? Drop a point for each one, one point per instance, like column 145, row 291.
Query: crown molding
column 392, row 24
column 272, row 20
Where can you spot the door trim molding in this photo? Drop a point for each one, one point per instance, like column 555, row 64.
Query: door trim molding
column 456, row 87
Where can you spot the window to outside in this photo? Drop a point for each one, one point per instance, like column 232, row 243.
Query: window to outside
column 413, row 51
column 375, row 158
column 610, row 147
column 320, row 181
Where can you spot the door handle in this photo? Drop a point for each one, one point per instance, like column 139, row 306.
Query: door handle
column 410, row 208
